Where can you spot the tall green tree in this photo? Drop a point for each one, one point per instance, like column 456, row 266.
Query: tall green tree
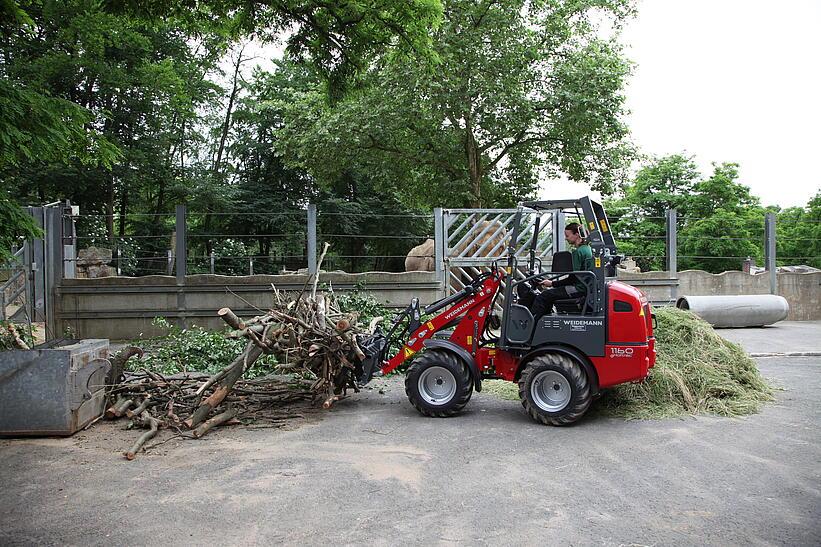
column 142, row 87
column 352, row 206
column 798, row 234
column 720, row 222
column 523, row 91
column 35, row 124
column 638, row 215
column 336, row 38
column 723, row 223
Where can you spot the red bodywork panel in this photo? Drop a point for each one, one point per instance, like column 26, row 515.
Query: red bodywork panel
column 629, row 351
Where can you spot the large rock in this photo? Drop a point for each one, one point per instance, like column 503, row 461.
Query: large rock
column 93, row 263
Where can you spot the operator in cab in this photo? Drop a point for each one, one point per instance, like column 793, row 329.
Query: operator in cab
column 570, row 286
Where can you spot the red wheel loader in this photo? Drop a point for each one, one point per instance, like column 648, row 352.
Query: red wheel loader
column 560, row 360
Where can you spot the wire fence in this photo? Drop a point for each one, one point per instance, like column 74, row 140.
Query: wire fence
column 717, row 243
column 273, row 242
column 244, row 243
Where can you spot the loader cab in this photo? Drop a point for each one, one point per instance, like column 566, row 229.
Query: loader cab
column 579, row 322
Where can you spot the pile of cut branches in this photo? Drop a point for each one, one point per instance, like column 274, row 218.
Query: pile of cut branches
column 314, row 343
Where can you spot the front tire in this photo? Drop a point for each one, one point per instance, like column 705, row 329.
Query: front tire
column 438, row 384
column 554, row 389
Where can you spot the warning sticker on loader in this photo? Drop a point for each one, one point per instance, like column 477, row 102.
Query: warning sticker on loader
column 409, row 352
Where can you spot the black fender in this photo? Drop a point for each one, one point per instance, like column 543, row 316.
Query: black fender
column 462, row 353
column 571, row 352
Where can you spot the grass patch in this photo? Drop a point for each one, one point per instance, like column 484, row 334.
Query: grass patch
column 697, row 372
column 502, row 389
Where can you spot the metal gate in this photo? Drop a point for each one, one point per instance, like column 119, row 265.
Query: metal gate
column 29, row 293
column 473, row 239
column 14, row 289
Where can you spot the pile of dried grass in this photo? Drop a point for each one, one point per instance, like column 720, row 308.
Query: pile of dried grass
column 697, row 372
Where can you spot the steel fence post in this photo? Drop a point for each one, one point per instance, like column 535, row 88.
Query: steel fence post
column 211, row 257
column 769, row 251
column 439, row 249
column 671, row 248
column 182, row 255
column 311, row 238
column 182, row 244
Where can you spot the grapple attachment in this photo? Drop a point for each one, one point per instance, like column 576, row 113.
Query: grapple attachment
column 373, row 346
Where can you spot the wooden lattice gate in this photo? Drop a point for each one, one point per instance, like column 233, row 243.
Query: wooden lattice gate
column 469, row 241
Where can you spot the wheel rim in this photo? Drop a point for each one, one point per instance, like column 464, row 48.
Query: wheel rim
column 437, row 386
column 550, row 391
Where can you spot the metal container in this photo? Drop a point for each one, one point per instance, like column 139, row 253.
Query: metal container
column 56, row 388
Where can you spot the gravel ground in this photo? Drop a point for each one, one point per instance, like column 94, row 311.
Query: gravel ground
column 373, row 471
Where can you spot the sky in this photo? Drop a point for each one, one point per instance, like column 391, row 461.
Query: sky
column 724, row 81
column 731, row 81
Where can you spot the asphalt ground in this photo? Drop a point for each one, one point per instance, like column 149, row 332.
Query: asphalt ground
column 373, row 471
column 786, row 337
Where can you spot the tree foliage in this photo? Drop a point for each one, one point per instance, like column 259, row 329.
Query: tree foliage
column 523, row 91
column 380, row 110
column 15, row 227
column 798, row 234
column 337, row 38
column 720, row 223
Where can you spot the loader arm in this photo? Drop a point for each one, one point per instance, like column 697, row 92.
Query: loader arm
column 473, row 307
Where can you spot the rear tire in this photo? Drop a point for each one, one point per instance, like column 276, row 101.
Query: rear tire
column 554, row 389
column 438, row 384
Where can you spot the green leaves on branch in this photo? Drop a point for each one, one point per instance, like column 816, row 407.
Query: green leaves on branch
column 337, row 38
column 15, row 227
column 522, row 92
column 37, row 127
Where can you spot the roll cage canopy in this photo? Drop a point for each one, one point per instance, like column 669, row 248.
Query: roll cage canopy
column 595, row 220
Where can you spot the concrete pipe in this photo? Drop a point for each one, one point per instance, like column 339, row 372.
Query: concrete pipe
column 754, row 310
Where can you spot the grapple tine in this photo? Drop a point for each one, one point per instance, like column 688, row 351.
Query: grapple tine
column 373, row 346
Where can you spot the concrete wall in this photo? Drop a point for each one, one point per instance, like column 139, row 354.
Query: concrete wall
column 802, row 290
column 124, row 307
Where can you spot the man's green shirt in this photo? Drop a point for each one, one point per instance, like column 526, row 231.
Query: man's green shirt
column 582, row 262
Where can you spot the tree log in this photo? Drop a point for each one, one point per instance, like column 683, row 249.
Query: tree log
column 230, row 317
column 149, row 421
column 219, row 419
column 118, row 363
column 245, row 359
column 118, row 408
column 18, row 342
column 139, row 410
column 354, row 345
column 373, row 324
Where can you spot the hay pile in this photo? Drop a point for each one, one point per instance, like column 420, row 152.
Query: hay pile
column 696, row 372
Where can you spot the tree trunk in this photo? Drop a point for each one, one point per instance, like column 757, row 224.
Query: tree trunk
column 109, row 210
column 123, row 209
column 227, row 123
column 474, row 158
